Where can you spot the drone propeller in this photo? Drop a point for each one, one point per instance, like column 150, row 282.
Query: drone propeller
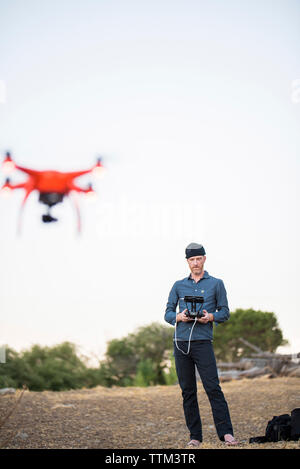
column 8, row 164
column 90, row 193
column 6, row 189
column 99, row 168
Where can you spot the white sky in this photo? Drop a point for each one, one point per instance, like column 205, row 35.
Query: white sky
column 195, row 107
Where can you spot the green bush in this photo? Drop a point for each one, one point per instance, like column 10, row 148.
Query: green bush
column 55, row 368
column 260, row 328
column 145, row 373
column 139, row 357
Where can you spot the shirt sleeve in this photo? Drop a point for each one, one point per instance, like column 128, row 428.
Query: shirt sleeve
column 222, row 310
column 170, row 314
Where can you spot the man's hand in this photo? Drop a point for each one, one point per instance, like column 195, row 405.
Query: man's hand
column 182, row 316
column 207, row 317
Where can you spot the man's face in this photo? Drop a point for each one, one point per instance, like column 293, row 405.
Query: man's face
column 196, row 264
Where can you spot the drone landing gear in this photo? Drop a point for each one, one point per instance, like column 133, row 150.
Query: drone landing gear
column 47, row 218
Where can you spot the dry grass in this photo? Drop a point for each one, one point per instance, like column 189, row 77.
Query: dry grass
column 149, row 418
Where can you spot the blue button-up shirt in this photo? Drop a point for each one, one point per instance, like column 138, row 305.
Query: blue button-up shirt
column 215, row 301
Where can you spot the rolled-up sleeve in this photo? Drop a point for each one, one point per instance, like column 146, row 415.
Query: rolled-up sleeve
column 222, row 313
column 170, row 314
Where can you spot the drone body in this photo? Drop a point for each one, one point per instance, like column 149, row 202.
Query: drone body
column 52, row 186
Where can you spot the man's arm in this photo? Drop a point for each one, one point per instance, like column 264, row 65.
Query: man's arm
column 222, row 310
column 170, row 314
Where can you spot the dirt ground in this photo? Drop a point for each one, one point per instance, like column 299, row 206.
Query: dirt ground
column 149, row 418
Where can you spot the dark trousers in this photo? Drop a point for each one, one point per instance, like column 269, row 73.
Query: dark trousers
column 202, row 355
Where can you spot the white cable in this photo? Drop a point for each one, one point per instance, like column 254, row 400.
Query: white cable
column 175, row 338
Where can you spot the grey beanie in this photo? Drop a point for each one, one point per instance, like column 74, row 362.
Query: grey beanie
column 194, row 249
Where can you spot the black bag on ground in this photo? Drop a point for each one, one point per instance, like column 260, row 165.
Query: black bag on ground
column 281, row 427
column 295, row 424
column 278, row 428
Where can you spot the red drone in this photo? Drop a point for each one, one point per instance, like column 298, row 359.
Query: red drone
column 52, row 186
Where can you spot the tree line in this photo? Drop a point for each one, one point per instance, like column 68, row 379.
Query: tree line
column 142, row 358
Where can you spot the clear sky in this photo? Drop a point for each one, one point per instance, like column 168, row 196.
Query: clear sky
column 195, row 107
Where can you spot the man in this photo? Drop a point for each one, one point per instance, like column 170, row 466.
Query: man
column 193, row 344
